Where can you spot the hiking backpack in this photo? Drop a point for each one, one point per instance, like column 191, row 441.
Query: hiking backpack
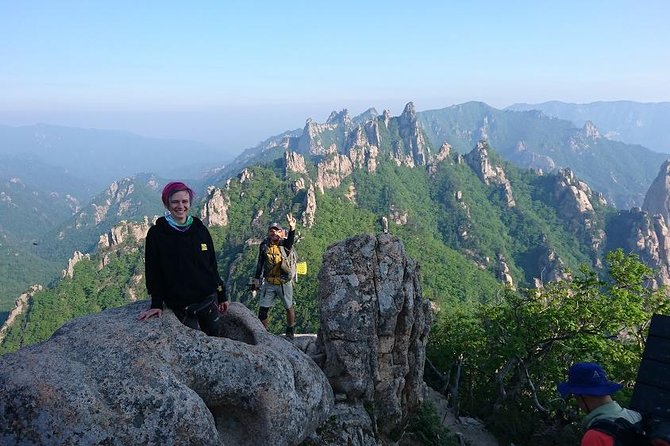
column 289, row 261
column 651, row 394
column 648, row 432
column 623, row 431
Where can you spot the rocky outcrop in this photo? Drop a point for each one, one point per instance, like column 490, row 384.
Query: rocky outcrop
column 572, row 195
column 111, row 379
column 444, row 152
column 551, row 267
column 647, row 228
column 345, row 145
column 575, row 205
column 323, row 139
column 20, row 306
column 479, row 161
column 330, row 172
column 245, row 176
column 416, row 151
column 215, row 209
column 374, row 328
column 657, row 199
column 398, row 216
column 118, row 193
column 647, row 236
column 294, row 162
column 77, row 257
column 309, row 214
column 536, row 161
column 654, row 247
column 126, row 236
column 504, row 273
column 350, row 194
column 363, row 148
column 125, row 231
column 591, row 131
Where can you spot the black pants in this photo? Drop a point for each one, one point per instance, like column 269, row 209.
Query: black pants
column 201, row 316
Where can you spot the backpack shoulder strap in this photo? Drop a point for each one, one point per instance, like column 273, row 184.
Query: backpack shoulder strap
column 623, row 431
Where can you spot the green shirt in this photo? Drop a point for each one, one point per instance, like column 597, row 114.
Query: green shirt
column 610, row 411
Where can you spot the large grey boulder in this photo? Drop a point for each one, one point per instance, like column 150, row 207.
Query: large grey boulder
column 111, row 379
column 373, row 334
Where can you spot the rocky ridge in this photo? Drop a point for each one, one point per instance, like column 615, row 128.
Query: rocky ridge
column 110, row 378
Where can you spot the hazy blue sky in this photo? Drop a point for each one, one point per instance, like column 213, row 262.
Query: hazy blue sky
column 234, row 73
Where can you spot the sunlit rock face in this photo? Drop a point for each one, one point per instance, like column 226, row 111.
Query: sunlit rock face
column 111, row 379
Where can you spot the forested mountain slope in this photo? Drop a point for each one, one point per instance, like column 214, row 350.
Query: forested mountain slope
column 622, row 172
column 474, row 222
column 627, row 121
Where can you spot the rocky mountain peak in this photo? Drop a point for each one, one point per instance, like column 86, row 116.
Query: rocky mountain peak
column 214, row 212
column 76, row 258
column 591, row 131
column 573, row 194
column 386, row 117
column 417, row 152
column 409, row 113
column 339, row 118
column 479, row 161
column 294, row 162
column 657, row 199
column 369, row 114
column 312, row 140
column 123, row 231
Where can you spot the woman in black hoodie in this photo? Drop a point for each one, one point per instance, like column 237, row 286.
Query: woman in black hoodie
column 180, row 265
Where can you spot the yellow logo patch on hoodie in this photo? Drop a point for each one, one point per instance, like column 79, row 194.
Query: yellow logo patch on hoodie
column 203, row 246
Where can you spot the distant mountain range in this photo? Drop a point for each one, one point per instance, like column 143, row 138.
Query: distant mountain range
column 51, row 177
column 630, row 122
column 622, row 172
column 102, row 156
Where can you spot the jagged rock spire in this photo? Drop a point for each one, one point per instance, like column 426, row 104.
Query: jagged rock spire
column 657, row 200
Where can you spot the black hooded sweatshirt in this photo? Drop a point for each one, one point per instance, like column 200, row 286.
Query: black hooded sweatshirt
column 180, row 266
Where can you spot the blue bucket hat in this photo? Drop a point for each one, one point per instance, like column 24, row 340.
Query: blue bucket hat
column 587, row 378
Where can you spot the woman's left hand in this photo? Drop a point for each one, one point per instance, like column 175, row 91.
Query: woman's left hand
column 149, row 313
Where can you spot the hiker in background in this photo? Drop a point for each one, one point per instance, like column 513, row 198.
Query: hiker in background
column 588, row 383
column 276, row 282
column 180, row 265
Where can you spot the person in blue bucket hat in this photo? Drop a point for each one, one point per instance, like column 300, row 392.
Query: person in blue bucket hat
column 589, row 384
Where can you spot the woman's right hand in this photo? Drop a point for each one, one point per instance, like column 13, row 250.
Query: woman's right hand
column 149, row 313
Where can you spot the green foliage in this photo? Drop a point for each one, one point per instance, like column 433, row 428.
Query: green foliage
column 512, row 351
column 19, row 269
column 90, row 290
column 426, row 427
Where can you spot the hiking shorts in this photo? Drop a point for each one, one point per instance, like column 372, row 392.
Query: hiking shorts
column 269, row 292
